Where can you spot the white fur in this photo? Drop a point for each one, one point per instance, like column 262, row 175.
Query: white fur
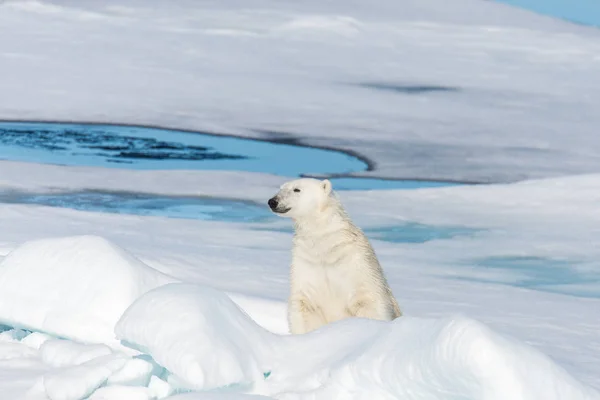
column 335, row 273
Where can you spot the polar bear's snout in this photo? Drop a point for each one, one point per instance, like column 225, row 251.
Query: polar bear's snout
column 273, row 203
column 277, row 206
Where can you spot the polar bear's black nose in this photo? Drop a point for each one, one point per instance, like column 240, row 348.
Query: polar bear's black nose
column 272, row 203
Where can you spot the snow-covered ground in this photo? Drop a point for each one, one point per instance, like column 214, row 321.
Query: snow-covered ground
column 185, row 336
column 438, row 284
column 475, row 90
column 511, row 309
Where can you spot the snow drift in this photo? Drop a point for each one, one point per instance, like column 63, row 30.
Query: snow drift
column 72, row 287
column 199, row 334
column 197, row 338
column 414, row 358
column 206, row 342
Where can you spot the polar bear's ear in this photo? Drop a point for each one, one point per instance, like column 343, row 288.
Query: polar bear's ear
column 326, row 186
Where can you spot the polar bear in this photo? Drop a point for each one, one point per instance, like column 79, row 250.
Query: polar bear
column 335, row 273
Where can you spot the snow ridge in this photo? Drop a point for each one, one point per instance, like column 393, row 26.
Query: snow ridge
column 178, row 337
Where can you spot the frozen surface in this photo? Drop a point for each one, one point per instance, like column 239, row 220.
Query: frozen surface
column 198, row 334
column 58, row 179
column 180, row 322
column 203, row 208
column 220, row 396
column 74, row 287
column 475, row 91
column 136, row 372
column 64, row 353
column 123, row 393
column 206, row 342
column 412, row 358
column 80, row 381
column 36, row 339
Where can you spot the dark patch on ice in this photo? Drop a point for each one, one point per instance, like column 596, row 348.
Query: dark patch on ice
column 410, row 89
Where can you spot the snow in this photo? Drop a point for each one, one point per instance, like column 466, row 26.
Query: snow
column 160, row 388
column 205, row 396
column 80, row 381
column 475, row 91
column 35, row 340
column 122, row 393
column 547, row 219
column 203, row 339
column 63, row 353
column 414, row 358
column 342, row 74
column 54, row 178
column 269, row 314
column 206, row 342
column 136, row 372
column 73, row 287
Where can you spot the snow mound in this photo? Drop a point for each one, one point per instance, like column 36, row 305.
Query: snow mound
column 159, row 387
column 136, row 372
column 220, row 396
column 64, row 353
column 198, row 334
column 270, row 314
column 35, row 340
column 413, row 358
column 72, row 287
column 14, row 350
column 123, row 393
column 207, row 342
column 80, row 381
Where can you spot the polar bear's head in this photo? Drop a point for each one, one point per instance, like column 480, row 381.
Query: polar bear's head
column 301, row 198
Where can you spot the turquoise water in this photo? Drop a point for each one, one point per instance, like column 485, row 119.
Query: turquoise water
column 383, row 184
column 406, row 232
column 202, row 208
column 413, row 232
column 152, row 148
column 586, row 12
column 131, row 147
column 541, row 273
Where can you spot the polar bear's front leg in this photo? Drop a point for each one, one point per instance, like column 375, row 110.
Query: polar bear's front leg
column 303, row 316
column 366, row 305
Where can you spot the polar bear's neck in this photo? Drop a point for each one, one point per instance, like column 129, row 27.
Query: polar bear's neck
column 329, row 238
column 332, row 217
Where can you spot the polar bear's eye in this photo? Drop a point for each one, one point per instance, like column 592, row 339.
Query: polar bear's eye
column 297, row 190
